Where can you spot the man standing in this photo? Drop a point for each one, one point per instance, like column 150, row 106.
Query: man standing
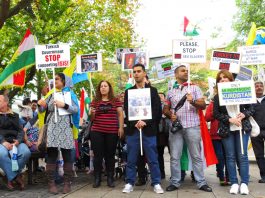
column 258, row 142
column 149, row 129
column 189, row 118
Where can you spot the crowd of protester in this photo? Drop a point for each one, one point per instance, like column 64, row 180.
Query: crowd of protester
column 110, row 125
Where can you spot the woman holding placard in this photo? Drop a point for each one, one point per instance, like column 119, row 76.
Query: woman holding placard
column 231, row 123
column 59, row 134
column 107, row 118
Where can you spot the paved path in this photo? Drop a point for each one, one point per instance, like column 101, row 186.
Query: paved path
column 82, row 188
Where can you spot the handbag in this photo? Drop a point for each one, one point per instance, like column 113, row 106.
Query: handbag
column 223, row 130
column 255, row 127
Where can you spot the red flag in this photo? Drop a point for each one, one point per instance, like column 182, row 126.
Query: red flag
column 209, row 152
column 82, row 103
column 186, row 22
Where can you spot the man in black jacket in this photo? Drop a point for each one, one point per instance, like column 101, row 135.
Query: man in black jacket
column 149, row 129
column 258, row 142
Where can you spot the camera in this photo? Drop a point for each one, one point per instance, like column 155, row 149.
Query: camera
column 176, row 126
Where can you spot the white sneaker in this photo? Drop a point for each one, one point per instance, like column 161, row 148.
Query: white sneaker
column 234, row 189
column 127, row 188
column 244, row 189
column 158, row 189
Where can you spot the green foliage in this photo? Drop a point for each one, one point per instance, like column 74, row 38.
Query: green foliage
column 88, row 25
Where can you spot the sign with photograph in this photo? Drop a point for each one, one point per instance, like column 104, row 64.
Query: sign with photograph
column 252, row 55
column 130, row 59
column 225, row 61
column 165, row 68
column 89, row 63
column 52, row 56
column 244, row 74
column 120, row 51
column 139, row 104
column 237, row 92
column 189, row 51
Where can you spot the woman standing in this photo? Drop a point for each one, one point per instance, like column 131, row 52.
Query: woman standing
column 232, row 121
column 59, row 134
column 107, row 117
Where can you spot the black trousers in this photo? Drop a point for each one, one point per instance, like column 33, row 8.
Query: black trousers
column 53, row 152
column 258, row 147
column 104, row 146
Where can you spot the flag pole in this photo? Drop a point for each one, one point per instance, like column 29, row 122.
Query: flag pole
column 189, row 84
column 54, row 98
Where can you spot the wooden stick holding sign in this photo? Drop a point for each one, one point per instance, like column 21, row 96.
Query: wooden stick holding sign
column 141, row 141
column 188, row 67
column 54, row 96
column 240, row 133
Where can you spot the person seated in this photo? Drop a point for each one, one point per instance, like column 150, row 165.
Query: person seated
column 26, row 112
column 31, row 134
column 11, row 134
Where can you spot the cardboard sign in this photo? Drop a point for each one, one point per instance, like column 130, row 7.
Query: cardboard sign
column 189, row 51
column 66, row 98
column 121, row 51
column 139, row 104
column 237, row 92
column 225, row 61
column 130, row 59
column 252, row 55
column 52, row 56
column 244, row 74
column 165, row 68
column 89, row 63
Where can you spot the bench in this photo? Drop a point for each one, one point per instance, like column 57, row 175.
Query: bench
column 33, row 164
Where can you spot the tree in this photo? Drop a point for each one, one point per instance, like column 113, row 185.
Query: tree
column 89, row 26
column 248, row 11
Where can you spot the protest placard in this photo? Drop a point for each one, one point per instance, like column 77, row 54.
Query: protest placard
column 252, row 55
column 237, row 92
column 165, row 68
column 189, row 51
column 89, row 63
column 52, row 56
column 120, row 51
column 139, row 104
column 244, row 74
column 132, row 58
column 221, row 60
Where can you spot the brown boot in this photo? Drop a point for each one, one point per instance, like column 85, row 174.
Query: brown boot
column 50, row 169
column 68, row 175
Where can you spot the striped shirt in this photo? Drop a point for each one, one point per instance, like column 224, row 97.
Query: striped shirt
column 187, row 114
column 106, row 118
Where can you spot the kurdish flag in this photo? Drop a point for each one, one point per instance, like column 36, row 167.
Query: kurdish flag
column 189, row 29
column 15, row 72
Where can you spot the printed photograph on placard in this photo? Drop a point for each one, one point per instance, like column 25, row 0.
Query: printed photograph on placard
column 89, row 63
column 130, row 59
column 139, row 103
column 120, row 51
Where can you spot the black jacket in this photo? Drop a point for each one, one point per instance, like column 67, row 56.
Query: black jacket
column 10, row 128
column 220, row 113
column 259, row 114
column 151, row 127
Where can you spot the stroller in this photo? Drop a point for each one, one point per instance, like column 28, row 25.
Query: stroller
column 121, row 159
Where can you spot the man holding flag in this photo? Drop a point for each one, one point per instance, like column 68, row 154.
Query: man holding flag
column 190, row 120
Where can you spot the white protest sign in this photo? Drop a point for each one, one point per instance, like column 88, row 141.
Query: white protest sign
column 252, row 55
column 189, row 51
column 244, row 74
column 225, row 61
column 139, row 104
column 52, row 56
column 165, row 68
column 237, row 92
column 66, row 98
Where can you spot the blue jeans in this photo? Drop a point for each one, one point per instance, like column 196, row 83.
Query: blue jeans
column 133, row 148
column 233, row 154
column 218, row 148
column 192, row 137
column 5, row 161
